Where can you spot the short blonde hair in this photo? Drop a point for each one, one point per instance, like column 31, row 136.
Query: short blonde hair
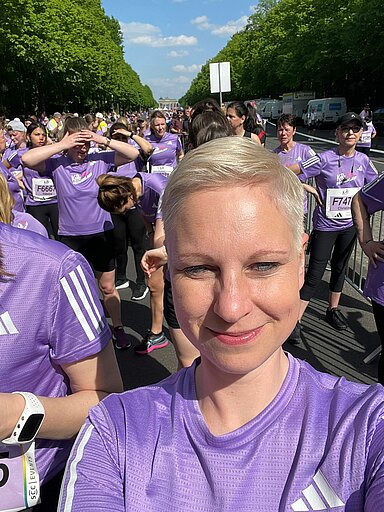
column 235, row 161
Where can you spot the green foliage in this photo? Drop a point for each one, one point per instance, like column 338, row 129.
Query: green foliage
column 64, row 54
column 333, row 47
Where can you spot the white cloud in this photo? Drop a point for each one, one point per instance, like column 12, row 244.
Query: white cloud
column 193, row 68
column 176, row 54
column 149, row 35
column 202, row 23
column 227, row 30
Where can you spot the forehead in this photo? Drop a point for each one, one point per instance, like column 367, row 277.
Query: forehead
column 158, row 120
column 284, row 126
column 256, row 220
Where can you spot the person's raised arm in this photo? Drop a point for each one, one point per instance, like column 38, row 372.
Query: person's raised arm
column 35, row 158
column 145, row 146
column 124, row 152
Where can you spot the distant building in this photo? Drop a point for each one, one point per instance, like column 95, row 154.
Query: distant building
column 167, row 104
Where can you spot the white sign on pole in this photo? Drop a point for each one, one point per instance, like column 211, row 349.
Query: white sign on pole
column 220, row 76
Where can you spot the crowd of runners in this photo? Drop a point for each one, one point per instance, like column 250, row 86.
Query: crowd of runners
column 75, row 191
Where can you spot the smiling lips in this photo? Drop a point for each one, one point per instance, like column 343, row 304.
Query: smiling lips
column 241, row 338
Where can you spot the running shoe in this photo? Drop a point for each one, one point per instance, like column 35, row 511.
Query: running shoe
column 336, row 319
column 120, row 337
column 140, row 291
column 121, row 283
column 295, row 337
column 151, row 342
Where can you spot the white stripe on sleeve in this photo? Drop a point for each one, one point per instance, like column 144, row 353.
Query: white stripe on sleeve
column 76, row 308
column 90, row 296
column 84, row 300
column 71, row 470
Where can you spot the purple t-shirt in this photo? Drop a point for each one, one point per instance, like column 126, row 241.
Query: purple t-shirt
column 50, row 315
column 338, row 178
column 38, row 190
column 153, row 186
column 23, row 220
column 373, row 198
column 76, row 187
column 163, row 159
column 14, row 188
column 319, row 445
column 299, row 153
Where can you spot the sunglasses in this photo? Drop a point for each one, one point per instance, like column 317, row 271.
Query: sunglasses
column 355, row 128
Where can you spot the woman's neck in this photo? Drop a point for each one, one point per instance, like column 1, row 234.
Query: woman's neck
column 229, row 401
column 288, row 146
column 346, row 151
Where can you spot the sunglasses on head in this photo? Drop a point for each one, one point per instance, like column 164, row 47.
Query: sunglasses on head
column 355, row 128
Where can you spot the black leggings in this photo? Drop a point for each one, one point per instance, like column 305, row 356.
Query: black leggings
column 48, row 215
column 378, row 313
column 131, row 226
column 321, row 245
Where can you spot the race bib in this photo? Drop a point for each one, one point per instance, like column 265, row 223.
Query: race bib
column 365, row 138
column 162, row 169
column 19, row 479
column 339, row 200
column 43, row 189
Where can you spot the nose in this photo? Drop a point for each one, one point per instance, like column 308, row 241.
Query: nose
column 233, row 298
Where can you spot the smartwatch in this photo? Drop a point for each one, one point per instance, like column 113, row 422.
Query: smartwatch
column 30, row 421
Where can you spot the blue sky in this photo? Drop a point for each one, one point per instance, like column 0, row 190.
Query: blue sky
column 167, row 41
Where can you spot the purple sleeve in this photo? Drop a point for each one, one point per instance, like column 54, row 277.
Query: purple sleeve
column 79, row 328
column 93, row 481
column 373, row 195
column 312, row 166
column 374, row 500
column 14, row 159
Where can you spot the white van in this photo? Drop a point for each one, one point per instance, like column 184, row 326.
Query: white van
column 326, row 110
column 272, row 109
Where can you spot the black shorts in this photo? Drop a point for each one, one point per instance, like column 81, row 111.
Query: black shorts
column 169, row 309
column 97, row 249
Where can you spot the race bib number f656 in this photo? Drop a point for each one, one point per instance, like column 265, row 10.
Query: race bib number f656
column 43, row 189
column 339, row 200
column 19, row 479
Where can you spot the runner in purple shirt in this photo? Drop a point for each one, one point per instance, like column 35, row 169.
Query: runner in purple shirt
column 55, row 343
column 119, row 195
column 247, row 427
column 339, row 175
column 40, row 192
column 369, row 200
column 291, row 152
column 167, row 146
column 83, row 225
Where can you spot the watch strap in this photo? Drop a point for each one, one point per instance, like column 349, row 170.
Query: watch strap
column 32, row 406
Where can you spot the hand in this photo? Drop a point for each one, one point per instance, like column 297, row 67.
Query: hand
column 374, row 251
column 72, row 140
column 153, row 260
column 314, row 192
column 122, row 131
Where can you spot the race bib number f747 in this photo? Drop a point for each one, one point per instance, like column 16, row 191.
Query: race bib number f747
column 339, row 200
column 19, row 479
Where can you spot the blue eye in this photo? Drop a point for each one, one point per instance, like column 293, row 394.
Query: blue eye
column 264, row 266
column 195, row 270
